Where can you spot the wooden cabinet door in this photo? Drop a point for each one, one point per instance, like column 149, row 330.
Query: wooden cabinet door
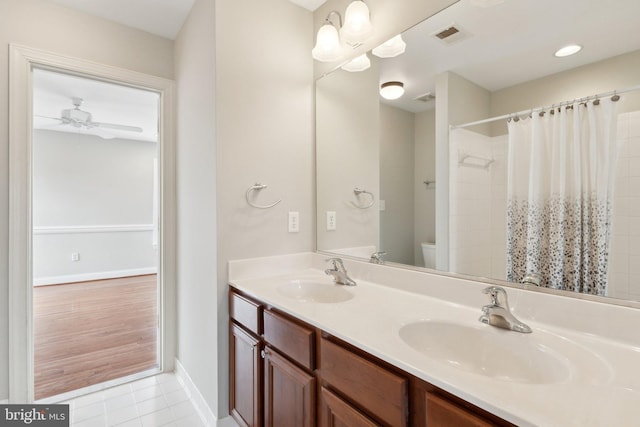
column 442, row 413
column 335, row 412
column 289, row 393
column 245, row 378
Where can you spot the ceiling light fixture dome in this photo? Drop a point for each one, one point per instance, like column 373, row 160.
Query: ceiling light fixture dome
column 357, row 23
column 327, row 48
column 568, row 50
column 392, row 90
column 359, row 63
column 391, row 48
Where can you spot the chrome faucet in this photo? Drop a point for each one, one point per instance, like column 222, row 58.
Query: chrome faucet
column 339, row 273
column 498, row 313
column 377, row 257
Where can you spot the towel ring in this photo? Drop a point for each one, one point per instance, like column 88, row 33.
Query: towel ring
column 358, row 192
column 257, row 187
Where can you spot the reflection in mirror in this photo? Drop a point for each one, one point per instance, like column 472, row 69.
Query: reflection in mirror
column 493, row 199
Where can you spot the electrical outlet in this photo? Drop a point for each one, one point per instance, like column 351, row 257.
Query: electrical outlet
column 75, row 256
column 383, row 205
column 294, row 222
column 331, row 220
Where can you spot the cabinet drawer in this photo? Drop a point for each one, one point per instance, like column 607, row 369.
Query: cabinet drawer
column 245, row 312
column 291, row 339
column 375, row 389
column 443, row 413
column 335, row 412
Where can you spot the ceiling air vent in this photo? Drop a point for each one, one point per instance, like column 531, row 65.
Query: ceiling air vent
column 450, row 34
column 425, row 97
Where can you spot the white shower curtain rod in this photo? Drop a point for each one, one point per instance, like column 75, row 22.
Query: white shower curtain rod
column 538, row 109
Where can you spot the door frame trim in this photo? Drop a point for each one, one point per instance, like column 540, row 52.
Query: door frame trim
column 22, row 59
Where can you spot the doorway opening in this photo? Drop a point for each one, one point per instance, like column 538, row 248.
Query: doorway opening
column 95, row 245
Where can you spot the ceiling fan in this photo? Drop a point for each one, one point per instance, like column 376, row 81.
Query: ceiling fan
column 81, row 119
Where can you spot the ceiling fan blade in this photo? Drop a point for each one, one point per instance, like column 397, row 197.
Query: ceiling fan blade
column 102, row 134
column 117, row 127
column 47, row 117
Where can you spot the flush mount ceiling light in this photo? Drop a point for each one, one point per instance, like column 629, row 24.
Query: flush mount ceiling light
column 392, row 47
column 392, row 90
column 568, row 50
column 328, row 47
column 359, row 63
column 357, row 24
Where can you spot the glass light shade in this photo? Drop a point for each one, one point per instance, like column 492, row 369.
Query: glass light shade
column 568, row 50
column 391, row 90
column 392, row 47
column 357, row 24
column 359, row 63
column 327, row 48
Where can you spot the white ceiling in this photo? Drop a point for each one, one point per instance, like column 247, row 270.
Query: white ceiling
column 160, row 17
column 512, row 42
column 163, row 18
column 107, row 103
column 309, row 4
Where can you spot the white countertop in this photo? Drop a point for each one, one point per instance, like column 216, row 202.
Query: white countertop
column 600, row 384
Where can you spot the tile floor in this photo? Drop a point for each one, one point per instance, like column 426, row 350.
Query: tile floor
column 155, row 401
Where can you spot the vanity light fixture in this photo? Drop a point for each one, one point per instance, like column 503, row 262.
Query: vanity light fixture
column 359, row 63
column 568, row 50
column 357, row 23
column 356, row 29
column 391, row 48
column 392, row 90
column 328, row 47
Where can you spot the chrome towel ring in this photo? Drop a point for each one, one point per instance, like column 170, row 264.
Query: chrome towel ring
column 358, row 192
column 257, row 187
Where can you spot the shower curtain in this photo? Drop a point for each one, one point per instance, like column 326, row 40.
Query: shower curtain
column 560, row 195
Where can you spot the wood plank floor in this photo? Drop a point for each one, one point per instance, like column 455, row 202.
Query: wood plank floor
column 90, row 332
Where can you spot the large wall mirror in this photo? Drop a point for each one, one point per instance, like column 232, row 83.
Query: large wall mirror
column 547, row 195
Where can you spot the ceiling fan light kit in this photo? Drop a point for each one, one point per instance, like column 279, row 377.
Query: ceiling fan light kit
column 81, row 119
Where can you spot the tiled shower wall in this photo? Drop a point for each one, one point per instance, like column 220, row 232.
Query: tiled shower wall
column 478, row 206
column 624, row 269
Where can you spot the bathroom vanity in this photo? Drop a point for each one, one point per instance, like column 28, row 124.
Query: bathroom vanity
column 405, row 348
column 303, row 376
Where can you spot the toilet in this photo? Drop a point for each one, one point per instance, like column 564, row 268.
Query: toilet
column 429, row 254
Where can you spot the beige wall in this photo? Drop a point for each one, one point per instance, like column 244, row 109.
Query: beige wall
column 347, row 156
column 264, row 133
column 614, row 73
column 196, row 194
column 397, row 142
column 48, row 26
column 424, row 169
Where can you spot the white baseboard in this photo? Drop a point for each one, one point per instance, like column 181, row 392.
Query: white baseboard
column 4, row 402
column 205, row 412
column 85, row 277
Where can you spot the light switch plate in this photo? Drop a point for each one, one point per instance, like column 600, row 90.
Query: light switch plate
column 294, row 222
column 331, row 220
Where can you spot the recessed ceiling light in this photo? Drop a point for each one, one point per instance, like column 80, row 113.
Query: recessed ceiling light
column 391, row 90
column 568, row 50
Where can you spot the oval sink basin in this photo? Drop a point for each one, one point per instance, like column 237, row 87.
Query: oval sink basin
column 486, row 350
column 313, row 290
